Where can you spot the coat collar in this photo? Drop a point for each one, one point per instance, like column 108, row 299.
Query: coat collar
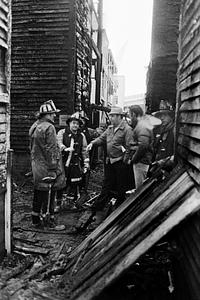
column 121, row 126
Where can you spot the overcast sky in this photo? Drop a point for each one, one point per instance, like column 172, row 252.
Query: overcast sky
column 128, row 26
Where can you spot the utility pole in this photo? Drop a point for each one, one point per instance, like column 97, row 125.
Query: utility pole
column 99, row 60
column 99, row 46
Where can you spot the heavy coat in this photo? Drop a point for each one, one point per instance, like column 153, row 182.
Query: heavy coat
column 79, row 157
column 117, row 141
column 142, row 147
column 46, row 156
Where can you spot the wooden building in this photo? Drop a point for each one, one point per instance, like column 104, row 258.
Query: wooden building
column 54, row 46
column 161, row 78
column 5, row 154
column 188, row 132
column 157, row 209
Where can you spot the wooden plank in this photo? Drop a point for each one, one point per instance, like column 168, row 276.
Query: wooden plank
column 191, row 80
column 189, row 143
column 2, row 221
column 188, row 208
column 4, row 7
column 192, row 104
column 188, row 13
column 189, row 156
column 191, row 69
column 166, row 200
column 190, row 117
column 190, row 130
column 191, row 42
column 4, row 98
column 190, row 93
column 113, row 217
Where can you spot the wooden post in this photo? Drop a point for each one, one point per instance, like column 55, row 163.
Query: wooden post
column 99, row 46
column 9, row 152
column 8, row 202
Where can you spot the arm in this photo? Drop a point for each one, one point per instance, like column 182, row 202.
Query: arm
column 51, row 148
column 128, row 142
column 84, row 151
column 144, row 138
column 98, row 141
column 101, row 139
column 60, row 139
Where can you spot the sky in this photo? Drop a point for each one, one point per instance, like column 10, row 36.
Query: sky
column 128, row 26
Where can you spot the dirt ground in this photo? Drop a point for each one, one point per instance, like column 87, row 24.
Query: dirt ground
column 31, row 283
column 37, row 267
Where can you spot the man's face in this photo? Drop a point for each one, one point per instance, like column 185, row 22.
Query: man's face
column 133, row 119
column 115, row 119
column 166, row 119
column 74, row 125
column 51, row 116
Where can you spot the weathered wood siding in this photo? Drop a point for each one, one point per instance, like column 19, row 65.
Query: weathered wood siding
column 83, row 55
column 188, row 139
column 161, row 79
column 4, row 110
column 51, row 58
column 43, row 59
column 189, row 253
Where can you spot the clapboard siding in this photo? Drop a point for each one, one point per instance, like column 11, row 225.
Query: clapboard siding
column 4, row 111
column 188, row 244
column 43, row 45
column 49, row 39
column 188, row 141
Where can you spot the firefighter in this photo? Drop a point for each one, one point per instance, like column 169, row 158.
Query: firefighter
column 46, row 162
column 164, row 141
column 73, row 145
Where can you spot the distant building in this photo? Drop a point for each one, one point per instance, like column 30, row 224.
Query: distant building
column 109, row 69
column 137, row 99
column 119, row 96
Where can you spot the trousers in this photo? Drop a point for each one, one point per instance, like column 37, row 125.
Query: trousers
column 114, row 185
column 140, row 173
column 40, row 203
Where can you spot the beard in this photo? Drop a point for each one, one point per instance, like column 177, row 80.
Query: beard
column 133, row 122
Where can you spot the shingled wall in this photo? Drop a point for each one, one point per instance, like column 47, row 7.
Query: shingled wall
column 50, row 43
column 161, row 79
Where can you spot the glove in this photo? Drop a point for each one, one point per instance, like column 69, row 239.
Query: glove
column 86, row 167
column 69, row 149
column 52, row 174
column 89, row 147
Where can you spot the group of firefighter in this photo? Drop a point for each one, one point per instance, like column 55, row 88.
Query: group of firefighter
column 133, row 147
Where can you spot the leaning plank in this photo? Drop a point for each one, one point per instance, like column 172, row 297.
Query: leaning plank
column 166, row 200
column 189, row 207
column 112, row 218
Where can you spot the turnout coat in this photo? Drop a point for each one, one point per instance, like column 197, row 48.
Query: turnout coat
column 46, row 159
column 73, row 162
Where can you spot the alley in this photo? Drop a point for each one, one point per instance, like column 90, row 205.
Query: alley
column 39, row 257
column 99, row 150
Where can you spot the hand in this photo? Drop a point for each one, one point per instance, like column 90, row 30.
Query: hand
column 89, row 147
column 126, row 160
column 86, row 167
column 52, row 174
column 69, row 149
